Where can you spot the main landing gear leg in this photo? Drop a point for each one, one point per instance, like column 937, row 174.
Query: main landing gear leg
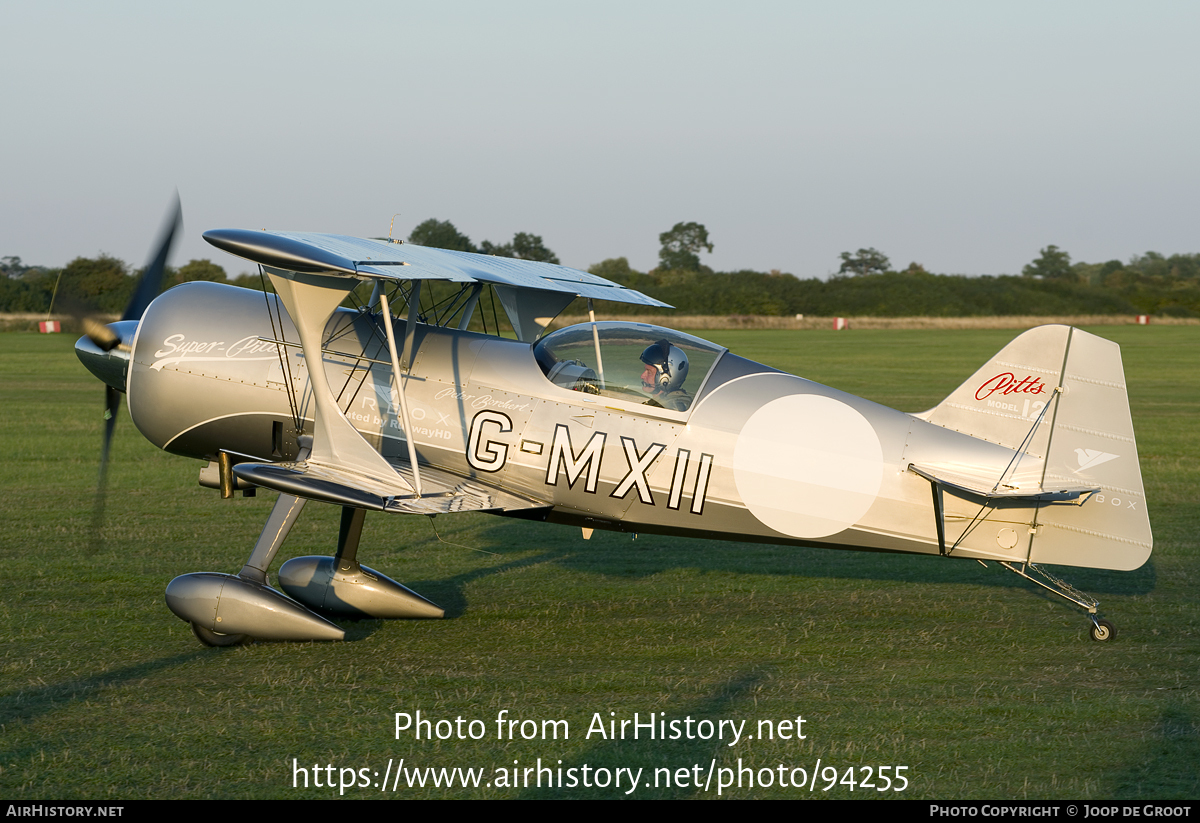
column 225, row 609
column 279, row 524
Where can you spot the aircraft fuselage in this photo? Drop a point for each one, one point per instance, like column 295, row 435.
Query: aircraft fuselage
column 759, row 455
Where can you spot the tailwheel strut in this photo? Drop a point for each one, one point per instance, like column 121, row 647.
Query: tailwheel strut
column 1101, row 630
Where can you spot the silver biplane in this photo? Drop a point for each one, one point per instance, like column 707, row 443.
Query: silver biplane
column 398, row 407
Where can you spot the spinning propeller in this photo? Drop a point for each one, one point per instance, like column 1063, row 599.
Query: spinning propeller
column 105, row 350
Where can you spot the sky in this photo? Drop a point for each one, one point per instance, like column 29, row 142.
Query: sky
column 962, row 136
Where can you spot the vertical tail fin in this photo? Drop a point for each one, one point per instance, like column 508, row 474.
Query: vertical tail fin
column 1085, row 436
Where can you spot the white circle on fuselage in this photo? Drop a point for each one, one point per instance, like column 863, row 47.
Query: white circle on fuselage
column 807, row 465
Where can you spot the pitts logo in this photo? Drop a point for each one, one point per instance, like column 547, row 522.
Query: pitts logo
column 1008, row 384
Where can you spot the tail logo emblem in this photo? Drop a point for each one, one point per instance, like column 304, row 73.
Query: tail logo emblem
column 1091, row 457
column 1007, row 383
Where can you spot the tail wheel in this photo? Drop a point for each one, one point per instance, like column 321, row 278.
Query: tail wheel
column 216, row 639
column 1103, row 631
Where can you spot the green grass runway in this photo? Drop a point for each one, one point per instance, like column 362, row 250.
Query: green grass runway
column 979, row 685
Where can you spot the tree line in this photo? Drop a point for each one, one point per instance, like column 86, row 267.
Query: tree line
column 866, row 282
column 868, row 285
column 101, row 283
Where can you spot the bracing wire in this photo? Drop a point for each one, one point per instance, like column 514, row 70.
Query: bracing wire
column 285, row 363
column 433, row 526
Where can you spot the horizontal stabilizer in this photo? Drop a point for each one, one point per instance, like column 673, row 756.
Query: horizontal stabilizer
column 979, row 484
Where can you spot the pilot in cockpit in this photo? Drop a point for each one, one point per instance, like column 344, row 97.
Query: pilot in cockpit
column 666, row 369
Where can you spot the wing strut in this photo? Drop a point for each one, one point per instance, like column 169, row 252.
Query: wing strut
column 310, row 300
column 596, row 343
column 414, row 299
column 469, row 308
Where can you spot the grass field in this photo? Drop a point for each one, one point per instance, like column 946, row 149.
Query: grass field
column 969, row 679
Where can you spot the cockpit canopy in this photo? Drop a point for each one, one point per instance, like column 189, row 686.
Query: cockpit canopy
column 615, row 367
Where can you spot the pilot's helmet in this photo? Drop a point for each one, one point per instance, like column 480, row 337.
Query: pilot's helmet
column 670, row 365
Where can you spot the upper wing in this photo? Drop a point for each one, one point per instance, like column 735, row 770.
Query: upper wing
column 337, row 254
column 311, row 273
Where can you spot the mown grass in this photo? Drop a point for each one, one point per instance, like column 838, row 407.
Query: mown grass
column 982, row 687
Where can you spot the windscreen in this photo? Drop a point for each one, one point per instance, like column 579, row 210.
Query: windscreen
column 635, row 363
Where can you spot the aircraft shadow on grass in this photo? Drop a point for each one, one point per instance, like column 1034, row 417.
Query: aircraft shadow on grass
column 629, row 556
column 624, row 556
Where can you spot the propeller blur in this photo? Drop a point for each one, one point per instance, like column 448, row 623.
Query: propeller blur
column 105, row 350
